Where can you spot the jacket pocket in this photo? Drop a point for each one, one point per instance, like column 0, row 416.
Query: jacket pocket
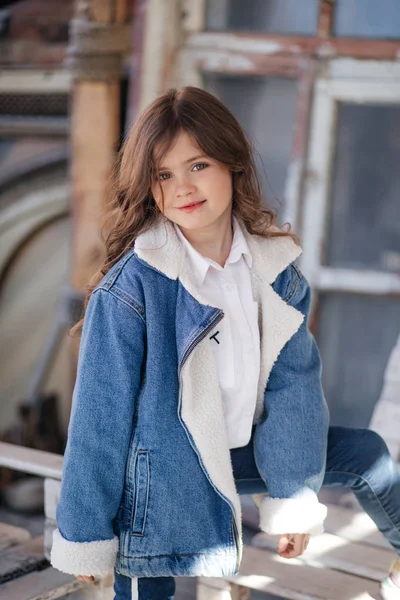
column 141, row 494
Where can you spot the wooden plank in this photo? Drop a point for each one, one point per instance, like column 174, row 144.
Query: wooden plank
column 354, row 526
column 41, row 585
column 294, row 580
column 338, row 553
column 211, row 588
column 44, row 81
column 29, row 460
column 11, row 535
column 21, row 559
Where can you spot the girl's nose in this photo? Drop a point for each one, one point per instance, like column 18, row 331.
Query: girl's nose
column 184, row 189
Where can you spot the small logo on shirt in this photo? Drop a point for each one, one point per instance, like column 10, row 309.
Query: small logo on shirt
column 214, row 337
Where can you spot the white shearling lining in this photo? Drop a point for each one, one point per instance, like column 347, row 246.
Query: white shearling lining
column 201, row 405
column 83, row 558
column 292, row 515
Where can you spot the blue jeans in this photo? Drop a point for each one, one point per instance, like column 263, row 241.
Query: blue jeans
column 356, row 458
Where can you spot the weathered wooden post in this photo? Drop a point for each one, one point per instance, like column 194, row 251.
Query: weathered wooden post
column 99, row 41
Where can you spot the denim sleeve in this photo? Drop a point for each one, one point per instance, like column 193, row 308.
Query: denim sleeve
column 108, row 379
column 291, row 441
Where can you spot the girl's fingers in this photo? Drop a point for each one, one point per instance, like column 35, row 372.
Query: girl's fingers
column 283, row 543
column 292, row 546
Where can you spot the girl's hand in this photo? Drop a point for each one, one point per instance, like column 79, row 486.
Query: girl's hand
column 292, row 546
column 88, row 578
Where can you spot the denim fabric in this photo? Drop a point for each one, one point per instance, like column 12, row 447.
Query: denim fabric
column 143, row 588
column 357, row 459
column 290, row 444
column 143, row 479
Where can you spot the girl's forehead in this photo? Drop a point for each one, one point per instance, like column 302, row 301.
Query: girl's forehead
column 180, row 147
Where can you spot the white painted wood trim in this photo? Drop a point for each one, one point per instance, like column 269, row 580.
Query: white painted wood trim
column 29, row 460
column 193, row 12
column 232, row 42
column 317, row 181
column 52, row 488
column 352, row 81
column 162, row 38
column 364, row 91
column 39, row 81
column 187, row 71
column 351, row 68
column 357, row 281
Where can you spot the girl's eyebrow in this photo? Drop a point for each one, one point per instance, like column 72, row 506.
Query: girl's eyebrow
column 189, row 160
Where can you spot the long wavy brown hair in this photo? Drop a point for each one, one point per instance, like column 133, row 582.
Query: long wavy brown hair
column 131, row 208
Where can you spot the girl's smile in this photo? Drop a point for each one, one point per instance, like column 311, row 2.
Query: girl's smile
column 193, row 206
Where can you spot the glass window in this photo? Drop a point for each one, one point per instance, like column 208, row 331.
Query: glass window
column 356, row 335
column 367, row 18
column 364, row 224
column 274, row 16
column 265, row 107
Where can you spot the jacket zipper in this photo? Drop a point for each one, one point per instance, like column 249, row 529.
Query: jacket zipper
column 198, row 340
column 184, row 359
column 239, row 546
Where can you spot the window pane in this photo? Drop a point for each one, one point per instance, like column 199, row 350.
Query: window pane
column 356, row 335
column 274, row 16
column 266, row 110
column 367, row 18
column 365, row 210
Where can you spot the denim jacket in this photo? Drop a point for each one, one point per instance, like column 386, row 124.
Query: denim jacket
column 147, row 481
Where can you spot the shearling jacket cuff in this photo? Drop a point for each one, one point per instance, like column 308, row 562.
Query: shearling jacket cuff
column 290, row 515
column 83, row 558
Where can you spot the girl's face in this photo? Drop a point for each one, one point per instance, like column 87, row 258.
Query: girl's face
column 190, row 179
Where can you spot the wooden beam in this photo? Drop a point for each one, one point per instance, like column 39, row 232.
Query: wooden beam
column 94, row 138
column 95, row 130
column 101, row 11
column 325, row 18
column 245, row 63
column 270, row 45
column 32, row 53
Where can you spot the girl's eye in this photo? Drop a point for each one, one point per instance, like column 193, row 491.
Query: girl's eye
column 165, row 176
column 200, row 165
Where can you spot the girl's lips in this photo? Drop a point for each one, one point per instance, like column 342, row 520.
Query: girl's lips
column 191, row 207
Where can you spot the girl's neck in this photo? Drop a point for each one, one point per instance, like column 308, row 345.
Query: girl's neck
column 214, row 241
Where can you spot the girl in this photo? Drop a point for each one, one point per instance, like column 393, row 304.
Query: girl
column 198, row 378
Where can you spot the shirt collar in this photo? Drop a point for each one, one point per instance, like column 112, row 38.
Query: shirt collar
column 201, row 263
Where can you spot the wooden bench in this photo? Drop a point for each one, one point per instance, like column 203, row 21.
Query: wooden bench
column 25, row 571
column 345, row 563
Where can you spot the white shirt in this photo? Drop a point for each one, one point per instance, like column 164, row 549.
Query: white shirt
column 235, row 340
